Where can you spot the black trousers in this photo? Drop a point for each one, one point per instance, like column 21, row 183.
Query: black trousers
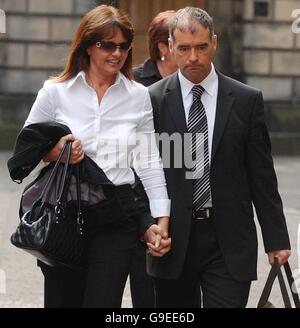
column 63, row 287
column 110, row 252
column 204, row 270
column 141, row 284
column 109, row 257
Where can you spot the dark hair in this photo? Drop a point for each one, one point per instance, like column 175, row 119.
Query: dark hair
column 159, row 32
column 185, row 19
column 99, row 23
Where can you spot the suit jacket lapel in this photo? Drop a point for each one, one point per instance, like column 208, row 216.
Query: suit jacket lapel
column 175, row 104
column 224, row 105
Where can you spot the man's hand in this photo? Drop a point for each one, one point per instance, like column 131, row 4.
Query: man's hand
column 157, row 237
column 77, row 153
column 163, row 223
column 281, row 255
column 163, row 248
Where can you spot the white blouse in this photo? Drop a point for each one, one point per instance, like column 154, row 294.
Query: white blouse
column 116, row 134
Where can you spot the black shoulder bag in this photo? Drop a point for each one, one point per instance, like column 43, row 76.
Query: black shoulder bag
column 276, row 272
column 53, row 233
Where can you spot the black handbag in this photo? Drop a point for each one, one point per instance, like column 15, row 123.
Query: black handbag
column 276, row 272
column 53, row 232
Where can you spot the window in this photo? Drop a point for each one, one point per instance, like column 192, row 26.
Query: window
column 261, row 8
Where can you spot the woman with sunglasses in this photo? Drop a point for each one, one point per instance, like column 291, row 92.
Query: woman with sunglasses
column 107, row 112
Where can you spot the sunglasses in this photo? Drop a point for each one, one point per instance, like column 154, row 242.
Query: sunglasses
column 111, row 46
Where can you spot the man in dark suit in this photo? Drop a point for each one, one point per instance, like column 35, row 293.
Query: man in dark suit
column 214, row 241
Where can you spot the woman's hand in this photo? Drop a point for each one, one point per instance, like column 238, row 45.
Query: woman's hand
column 163, row 223
column 157, row 237
column 77, row 153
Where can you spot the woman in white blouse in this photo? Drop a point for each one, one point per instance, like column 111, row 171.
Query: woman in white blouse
column 107, row 112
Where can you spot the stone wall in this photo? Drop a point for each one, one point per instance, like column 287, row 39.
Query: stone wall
column 38, row 35
column 261, row 51
column 271, row 58
column 272, row 50
column 227, row 21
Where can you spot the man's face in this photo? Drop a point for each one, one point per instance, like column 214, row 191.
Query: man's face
column 194, row 52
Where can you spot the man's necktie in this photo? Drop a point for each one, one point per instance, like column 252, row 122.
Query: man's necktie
column 197, row 124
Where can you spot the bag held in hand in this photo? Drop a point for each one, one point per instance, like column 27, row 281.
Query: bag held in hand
column 53, row 232
column 276, row 272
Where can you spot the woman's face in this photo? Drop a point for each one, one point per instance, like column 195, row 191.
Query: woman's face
column 108, row 56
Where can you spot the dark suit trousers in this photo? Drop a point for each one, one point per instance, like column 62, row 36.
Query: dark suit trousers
column 204, row 269
column 141, row 284
column 63, row 287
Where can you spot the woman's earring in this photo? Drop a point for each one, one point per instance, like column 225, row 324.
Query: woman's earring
column 98, row 44
column 162, row 58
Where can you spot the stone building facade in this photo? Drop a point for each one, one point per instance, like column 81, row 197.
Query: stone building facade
column 35, row 44
column 256, row 46
column 272, row 50
column 271, row 62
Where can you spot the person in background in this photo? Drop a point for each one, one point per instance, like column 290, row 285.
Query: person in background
column 160, row 64
column 96, row 97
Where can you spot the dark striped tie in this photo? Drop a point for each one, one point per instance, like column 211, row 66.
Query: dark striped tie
column 197, row 124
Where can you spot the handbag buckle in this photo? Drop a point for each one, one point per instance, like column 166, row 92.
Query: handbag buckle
column 80, row 222
column 59, row 211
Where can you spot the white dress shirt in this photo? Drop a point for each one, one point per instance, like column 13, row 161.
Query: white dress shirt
column 109, row 132
column 209, row 100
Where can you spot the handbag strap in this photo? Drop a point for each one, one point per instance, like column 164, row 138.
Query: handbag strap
column 64, row 174
column 268, row 286
column 292, row 284
column 63, row 186
column 58, row 210
column 54, row 170
column 274, row 272
column 284, row 292
column 38, row 204
column 80, row 220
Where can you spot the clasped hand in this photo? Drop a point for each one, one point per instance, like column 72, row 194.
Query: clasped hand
column 157, row 239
